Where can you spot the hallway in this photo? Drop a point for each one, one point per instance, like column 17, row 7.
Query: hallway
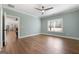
column 10, row 37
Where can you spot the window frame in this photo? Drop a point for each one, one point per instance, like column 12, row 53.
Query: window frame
column 54, row 20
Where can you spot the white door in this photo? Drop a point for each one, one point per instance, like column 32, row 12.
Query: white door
column 1, row 28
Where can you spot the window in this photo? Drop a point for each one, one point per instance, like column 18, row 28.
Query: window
column 55, row 25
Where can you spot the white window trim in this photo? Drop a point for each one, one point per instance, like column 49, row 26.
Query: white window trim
column 56, row 31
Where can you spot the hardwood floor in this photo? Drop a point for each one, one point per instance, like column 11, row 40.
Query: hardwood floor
column 41, row 44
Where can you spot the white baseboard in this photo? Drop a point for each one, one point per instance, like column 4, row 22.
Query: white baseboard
column 29, row 35
column 51, row 35
column 62, row 36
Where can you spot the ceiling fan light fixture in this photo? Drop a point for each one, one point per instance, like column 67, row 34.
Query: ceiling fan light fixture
column 43, row 11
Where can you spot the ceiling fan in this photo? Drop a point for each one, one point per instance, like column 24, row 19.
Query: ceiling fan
column 43, row 9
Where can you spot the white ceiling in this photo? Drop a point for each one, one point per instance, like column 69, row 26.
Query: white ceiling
column 58, row 8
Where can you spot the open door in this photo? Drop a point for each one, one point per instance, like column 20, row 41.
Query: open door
column 2, row 31
column 4, row 28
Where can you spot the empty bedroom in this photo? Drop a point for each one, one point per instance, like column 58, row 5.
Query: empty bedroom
column 39, row 28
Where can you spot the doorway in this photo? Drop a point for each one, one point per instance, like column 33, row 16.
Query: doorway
column 11, row 30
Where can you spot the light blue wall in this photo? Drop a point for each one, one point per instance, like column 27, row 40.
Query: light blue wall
column 28, row 24
column 70, row 21
column 31, row 25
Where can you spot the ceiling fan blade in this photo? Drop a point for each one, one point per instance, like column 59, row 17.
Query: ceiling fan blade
column 38, row 9
column 49, row 8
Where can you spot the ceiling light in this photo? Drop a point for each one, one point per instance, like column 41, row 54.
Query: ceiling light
column 44, row 9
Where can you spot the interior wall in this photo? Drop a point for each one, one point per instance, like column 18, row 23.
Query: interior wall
column 70, row 22
column 31, row 25
column 28, row 24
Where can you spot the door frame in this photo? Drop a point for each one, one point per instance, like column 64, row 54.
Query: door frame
column 5, row 15
column 1, row 45
column 18, row 22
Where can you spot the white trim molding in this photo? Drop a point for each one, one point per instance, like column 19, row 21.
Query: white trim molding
column 18, row 23
column 75, row 38
column 29, row 35
column 1, row 42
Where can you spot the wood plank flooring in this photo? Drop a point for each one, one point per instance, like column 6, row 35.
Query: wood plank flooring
column 41, row 44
